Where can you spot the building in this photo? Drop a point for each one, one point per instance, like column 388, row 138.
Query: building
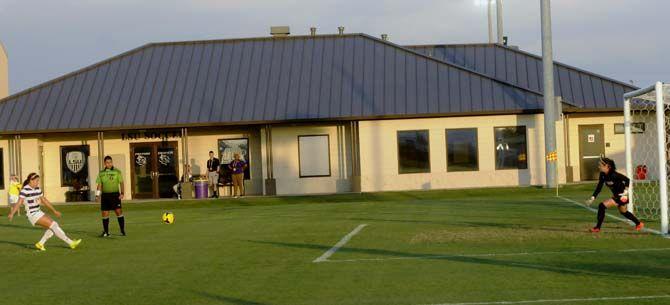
column 311, row 114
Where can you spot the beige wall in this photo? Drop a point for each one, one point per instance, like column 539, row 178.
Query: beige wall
column 200, row 143
column 286, row 164
column 4, row 73
column 617, row 145
column 4, row 145
column 378, row 148
column 51, row 175
column 379, row 154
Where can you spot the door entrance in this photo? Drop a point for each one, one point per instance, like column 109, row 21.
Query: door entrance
column 591, row 148
column 155, row 169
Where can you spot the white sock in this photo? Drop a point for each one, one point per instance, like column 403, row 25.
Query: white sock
column 47, row 234
column 59, row 232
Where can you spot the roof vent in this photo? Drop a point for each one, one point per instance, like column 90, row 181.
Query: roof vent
column 312, row 31
column 280, row 31
column 340, row 30
column 385, row 37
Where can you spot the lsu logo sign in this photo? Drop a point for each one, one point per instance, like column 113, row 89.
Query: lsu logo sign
column 75, row 161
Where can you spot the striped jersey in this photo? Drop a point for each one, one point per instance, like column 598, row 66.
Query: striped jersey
column 31, row 198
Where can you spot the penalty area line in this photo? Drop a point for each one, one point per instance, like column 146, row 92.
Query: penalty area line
column 644, row 297
column 610, row 216
column 324, row 257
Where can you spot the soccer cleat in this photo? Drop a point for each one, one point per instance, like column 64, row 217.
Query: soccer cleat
column 639, row 227
column 75, row 244
column 594, row 230
column 40, row 247
column 104, row 234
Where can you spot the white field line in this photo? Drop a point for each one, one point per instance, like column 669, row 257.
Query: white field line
column 491, row 255
column 644, row 297
column 611, row 216
column 324, row 257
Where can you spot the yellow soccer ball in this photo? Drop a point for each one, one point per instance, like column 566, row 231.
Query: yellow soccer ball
column 168, row 218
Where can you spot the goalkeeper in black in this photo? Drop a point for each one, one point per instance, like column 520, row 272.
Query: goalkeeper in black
column 618, row 184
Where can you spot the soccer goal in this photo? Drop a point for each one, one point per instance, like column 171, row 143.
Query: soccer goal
column 647, row 132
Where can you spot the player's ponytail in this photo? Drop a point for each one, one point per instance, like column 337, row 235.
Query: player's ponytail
column 609, row 162
column 31, row 177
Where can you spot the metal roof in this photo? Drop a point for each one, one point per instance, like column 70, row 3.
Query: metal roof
column 578, row 87
column 259, row 80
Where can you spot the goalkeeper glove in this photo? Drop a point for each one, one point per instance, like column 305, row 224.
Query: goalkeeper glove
column 590, row 200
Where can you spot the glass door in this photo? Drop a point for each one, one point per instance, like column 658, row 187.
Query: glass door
column 154, row 170
column 143, row 170
column 167, row 173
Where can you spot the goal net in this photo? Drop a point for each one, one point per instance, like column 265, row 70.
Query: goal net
column 647, row 134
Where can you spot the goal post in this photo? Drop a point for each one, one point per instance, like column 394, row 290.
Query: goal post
column 646, row 128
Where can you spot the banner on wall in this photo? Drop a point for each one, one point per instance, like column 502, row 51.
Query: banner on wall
column 74, row 165
column 227, row 150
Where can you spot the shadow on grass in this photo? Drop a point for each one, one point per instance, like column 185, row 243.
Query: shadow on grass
column 495, row 225
column 15, row 226
column 625, row 269
column 226, row 300
column 15, row 243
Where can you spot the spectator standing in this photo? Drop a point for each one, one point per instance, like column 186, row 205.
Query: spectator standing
column 237, row 167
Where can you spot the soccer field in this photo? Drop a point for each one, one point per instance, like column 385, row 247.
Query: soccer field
column 488, row 246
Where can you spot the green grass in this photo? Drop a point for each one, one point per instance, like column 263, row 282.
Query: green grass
column 423, row 248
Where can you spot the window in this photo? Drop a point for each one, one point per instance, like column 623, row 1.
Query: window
column 227, row 150
column 462, row 153
column 74, row 166
column 314, row 156
column 511, row 152
column 413, row 152
column 634, row 128
column 2, row 169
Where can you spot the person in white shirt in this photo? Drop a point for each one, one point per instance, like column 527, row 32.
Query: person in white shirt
column 31, row 196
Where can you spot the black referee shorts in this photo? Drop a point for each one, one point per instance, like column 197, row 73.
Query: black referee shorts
column 110, row 201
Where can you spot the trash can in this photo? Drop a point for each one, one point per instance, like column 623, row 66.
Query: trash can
column 201, row 189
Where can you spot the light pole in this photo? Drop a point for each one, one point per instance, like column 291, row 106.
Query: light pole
column 499, row 18
column 489, row 8
column 550, row 107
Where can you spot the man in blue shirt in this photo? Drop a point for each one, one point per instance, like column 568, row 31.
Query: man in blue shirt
column 237, row 168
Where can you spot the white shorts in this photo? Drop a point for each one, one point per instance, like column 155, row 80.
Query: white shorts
column 13, row 199
column 213, row 178
column 35, row 216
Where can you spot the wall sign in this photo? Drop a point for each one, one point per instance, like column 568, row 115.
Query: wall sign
column 636, row 127
column 74, row 165
column 165, row 157
column 227, row 150
column 591, row 138
column 163, row 135
column 141, row 158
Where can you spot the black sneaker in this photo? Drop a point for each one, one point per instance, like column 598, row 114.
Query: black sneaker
column 123, row 233
column 104, row 234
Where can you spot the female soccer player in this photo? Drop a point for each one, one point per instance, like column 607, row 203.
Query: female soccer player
column 31, row 196
column 618, row 184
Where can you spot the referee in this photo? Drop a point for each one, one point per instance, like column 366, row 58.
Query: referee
column 110, row 193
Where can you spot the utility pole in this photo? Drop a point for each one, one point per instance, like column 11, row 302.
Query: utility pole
column 550, row 108
column 499, row 18
column 489, row 8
